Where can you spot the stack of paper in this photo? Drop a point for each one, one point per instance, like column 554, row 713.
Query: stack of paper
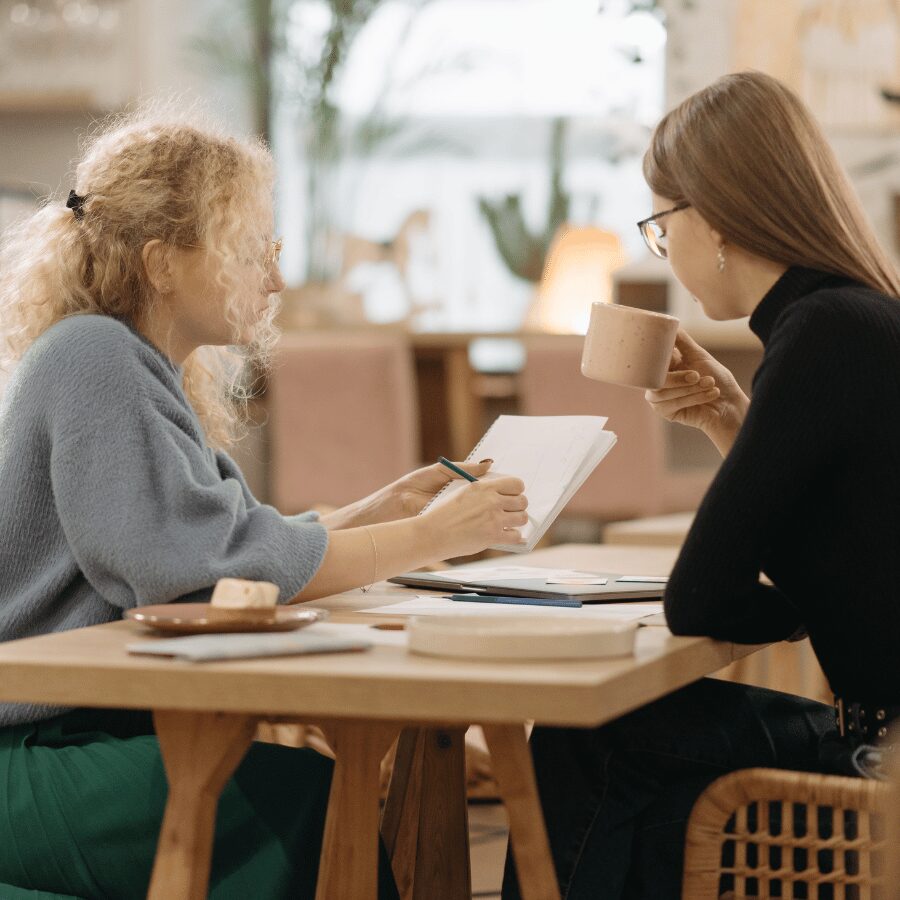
column 553, row 455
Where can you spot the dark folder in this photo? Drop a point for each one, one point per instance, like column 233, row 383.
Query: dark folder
column 613, row 591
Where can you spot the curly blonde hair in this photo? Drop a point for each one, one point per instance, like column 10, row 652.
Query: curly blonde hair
column 157, row 173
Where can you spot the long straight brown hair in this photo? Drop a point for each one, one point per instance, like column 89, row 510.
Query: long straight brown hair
column 748, row 155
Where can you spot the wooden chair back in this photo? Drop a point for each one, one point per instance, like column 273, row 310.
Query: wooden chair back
column 764, row 833
column 342, row 417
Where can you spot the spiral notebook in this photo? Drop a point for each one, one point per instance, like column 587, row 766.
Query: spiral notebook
column 553, row 455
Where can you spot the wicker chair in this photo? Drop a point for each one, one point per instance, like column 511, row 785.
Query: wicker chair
column 760, row 833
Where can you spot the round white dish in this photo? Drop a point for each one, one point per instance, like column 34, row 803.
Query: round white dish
column 506, row 638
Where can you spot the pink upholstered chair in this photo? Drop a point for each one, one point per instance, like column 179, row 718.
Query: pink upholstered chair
column 634, row 479
column 342, row 417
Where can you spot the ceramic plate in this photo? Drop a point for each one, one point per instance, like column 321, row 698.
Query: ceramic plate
column 204, row 618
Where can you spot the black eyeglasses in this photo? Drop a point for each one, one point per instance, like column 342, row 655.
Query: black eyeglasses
column 653, row 235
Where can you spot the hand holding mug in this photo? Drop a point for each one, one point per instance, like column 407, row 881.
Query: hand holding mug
column 699, row 391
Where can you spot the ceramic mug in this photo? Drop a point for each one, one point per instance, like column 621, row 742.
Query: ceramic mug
column 628, row 346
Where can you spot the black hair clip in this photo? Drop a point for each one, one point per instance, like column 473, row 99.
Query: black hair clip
column 76, row 204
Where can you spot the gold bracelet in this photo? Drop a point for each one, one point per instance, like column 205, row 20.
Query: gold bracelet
column 366, row 590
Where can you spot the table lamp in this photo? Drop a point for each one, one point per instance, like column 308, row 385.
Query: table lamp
column 577, row 273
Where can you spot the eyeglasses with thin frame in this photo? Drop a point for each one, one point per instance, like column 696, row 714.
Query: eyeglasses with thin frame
column 273, row 254
column 653, row 233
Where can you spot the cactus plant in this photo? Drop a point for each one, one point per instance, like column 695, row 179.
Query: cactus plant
column 523, row 252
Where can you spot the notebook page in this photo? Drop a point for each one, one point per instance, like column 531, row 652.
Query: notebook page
column 604, row 442
column 576, row 449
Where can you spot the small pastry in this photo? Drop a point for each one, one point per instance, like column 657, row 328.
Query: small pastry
column 243, row 599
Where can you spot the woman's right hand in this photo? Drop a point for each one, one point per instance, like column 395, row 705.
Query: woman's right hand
column 483, row 513
column 700, row 392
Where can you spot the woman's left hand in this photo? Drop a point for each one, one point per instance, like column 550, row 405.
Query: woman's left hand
column 412, row 492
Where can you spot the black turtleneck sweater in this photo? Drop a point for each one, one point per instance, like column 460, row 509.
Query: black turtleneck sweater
column 810, row 492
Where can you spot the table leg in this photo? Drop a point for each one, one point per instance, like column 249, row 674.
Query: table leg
column 514, row 772
column 400, row 819
column 200, row 751
column 425, row 824
column 349, row 862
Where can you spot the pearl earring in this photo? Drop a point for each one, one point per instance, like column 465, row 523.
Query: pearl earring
column 720, row 259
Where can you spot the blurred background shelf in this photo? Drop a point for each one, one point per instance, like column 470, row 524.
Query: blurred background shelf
column 43, row 103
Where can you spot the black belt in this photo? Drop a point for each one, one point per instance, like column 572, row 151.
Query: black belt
column 862, row 720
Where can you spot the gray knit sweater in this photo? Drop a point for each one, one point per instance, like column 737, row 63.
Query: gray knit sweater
column 110, row 497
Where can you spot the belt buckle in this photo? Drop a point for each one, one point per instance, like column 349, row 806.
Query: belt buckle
column 840, row 716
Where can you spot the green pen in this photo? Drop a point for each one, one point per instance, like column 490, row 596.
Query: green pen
column 464, row 474
column 455, row 468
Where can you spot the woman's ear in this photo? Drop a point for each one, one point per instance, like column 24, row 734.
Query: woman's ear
column 157, row 266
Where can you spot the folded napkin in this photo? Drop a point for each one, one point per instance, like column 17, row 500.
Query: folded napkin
column 201, row 647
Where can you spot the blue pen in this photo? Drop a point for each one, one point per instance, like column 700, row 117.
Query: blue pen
column 523, row 601
column 455, row 468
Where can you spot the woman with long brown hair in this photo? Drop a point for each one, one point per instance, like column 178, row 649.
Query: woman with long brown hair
column 757, row 219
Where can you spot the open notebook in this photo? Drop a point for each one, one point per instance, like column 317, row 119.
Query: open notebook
column 553, row 455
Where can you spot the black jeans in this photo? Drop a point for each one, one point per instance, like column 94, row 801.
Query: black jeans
column 617, row 798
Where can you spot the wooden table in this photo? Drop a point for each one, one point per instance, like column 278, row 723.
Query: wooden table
column 206, row 717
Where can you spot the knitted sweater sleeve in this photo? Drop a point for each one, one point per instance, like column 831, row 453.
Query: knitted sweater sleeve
column 146, row 509
column 791, row 435
column 230, row 469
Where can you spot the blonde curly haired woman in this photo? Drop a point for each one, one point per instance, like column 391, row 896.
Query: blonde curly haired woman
column 130, row 311
column 757, row 219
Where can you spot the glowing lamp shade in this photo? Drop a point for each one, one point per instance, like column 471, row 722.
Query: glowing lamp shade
column 578, row 272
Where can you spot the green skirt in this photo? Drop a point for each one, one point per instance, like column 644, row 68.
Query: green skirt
column 82, row 802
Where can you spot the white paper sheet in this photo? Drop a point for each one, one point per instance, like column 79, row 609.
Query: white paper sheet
column 354, row 631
